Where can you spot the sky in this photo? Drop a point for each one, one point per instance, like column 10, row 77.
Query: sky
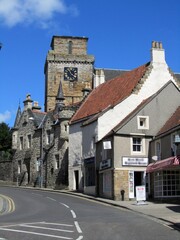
column 119, row 35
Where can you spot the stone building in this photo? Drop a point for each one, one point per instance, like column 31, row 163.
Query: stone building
column 40, row 139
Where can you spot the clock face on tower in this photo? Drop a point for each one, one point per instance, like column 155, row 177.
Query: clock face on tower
column 70, row 73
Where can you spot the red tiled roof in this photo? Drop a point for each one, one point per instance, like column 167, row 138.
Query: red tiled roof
column 110, row 93
column 172, row 122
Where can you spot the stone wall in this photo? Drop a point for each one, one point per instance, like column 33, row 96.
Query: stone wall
column 121, row 182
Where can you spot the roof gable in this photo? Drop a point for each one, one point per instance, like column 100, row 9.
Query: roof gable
column 172, row 122
column 110, row 93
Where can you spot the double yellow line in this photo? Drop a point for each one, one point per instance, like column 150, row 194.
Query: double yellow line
column 6, row 204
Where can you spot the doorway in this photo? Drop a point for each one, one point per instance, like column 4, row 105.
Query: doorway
column 76, row 175
column 138, row 180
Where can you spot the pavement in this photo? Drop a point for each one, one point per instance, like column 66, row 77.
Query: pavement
column 165, row 213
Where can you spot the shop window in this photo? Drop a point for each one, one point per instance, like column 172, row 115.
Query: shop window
column 90, row 175
column 143, row 122
column 167, row 183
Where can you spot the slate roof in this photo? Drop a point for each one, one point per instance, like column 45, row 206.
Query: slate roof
column 112, row 73
column 172, row 122
column 38, row 116
column 110, row 93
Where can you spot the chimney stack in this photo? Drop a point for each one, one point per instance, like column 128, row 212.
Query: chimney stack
column 36, row 106
column 157, row 52
column 28, row 102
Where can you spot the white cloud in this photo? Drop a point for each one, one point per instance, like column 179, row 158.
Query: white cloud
column 13, row 12
column 5, row 116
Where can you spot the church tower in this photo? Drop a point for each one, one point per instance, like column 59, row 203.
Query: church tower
column 67, row 62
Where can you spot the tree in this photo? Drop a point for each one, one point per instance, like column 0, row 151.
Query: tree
column 5, row 137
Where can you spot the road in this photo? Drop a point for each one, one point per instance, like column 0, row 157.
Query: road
column 44, row 215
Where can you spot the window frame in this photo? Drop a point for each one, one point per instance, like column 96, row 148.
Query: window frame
column 145, row 120
column 142, row 145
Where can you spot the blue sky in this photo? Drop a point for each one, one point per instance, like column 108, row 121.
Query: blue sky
column 120, row 35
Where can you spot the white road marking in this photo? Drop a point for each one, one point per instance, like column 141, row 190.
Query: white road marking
column 73, row 214
column 51, row 199
column 64, row 205
column 79, row 238
column 53, row 229
column 14, row 225
column 59, row 224
column 77, row 227
column 34, row 233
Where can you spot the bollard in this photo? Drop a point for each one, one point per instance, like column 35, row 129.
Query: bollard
column 122, row 194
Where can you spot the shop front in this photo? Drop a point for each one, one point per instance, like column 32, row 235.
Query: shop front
column 165, row 175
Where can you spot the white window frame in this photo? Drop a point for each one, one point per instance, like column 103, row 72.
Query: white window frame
column 29, row 141
column 19, row 167
column 37, row 165
column 142, row 152
column 48, row 137
column 21, row 143
column 173, row 145
column 56, row 162
column 158, row 149
column 144, row 120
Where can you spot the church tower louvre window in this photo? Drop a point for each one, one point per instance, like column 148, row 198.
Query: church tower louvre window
column 70, row 47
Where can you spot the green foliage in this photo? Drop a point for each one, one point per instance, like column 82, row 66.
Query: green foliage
column 5, row 137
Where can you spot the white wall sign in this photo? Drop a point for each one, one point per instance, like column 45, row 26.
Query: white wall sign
column 105, row 164
column 133, row 161
column 107, row 145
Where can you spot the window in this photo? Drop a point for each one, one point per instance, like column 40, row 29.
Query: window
column 90, row 175
column 29, row 141
column 173, row 145
column 137, row 145
column 57, row 165
column 21, row 143
column 158, row 150
column 70, row 47
column 37, row 164
column 14, row 138
column 48, row 137
column 66, row 128
column 166, row 183
column 19, row 167
column 143, row 122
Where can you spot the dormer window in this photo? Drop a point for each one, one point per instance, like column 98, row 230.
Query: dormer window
column 143, row 122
